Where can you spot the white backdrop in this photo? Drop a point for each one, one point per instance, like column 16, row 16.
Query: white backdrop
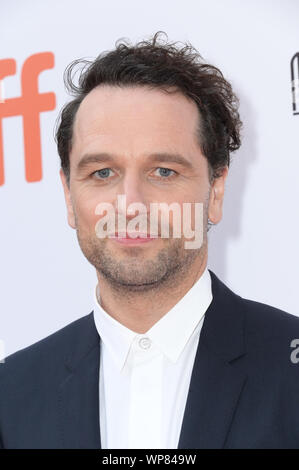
column 45, row 280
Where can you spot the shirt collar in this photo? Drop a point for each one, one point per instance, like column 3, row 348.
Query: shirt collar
column 170, row 334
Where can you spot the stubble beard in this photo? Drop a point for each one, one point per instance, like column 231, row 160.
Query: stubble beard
column 134, row 272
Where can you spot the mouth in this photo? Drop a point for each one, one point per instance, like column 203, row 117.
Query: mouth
column 132, row 238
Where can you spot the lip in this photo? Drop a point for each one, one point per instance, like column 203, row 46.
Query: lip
column 129, row 240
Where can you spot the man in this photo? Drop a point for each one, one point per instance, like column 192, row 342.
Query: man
column 169, row 357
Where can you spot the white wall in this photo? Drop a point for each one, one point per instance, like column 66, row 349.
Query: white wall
column 45, row 280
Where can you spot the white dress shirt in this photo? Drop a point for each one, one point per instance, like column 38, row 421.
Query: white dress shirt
column 144, row 378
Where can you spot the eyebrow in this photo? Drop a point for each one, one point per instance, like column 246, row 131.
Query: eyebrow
column 87, row 159
column 104, row 157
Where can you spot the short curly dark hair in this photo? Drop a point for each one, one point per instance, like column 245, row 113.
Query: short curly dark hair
column 165, row 66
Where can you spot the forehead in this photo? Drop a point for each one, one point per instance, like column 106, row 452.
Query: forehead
column 134, row 117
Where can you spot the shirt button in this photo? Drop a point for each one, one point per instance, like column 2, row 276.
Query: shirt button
column 145, row 343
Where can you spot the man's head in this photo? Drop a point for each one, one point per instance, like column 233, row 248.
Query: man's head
column 155, row 123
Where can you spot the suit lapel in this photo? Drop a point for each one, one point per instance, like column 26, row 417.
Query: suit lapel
column 218, row 377
column 79, row 391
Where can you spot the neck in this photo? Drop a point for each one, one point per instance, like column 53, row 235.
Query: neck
column 140, row 310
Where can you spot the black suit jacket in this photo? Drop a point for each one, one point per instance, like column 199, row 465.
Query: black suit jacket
column 244, row 390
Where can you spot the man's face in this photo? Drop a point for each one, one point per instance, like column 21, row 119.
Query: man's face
column 135, row 126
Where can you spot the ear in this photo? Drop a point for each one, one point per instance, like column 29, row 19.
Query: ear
column 68, row 200
column 216, row 197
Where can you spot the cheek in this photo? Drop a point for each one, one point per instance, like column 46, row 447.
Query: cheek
column 86, row 204
column 195, row 211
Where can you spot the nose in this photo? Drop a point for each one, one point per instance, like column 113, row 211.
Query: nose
column 133, row 188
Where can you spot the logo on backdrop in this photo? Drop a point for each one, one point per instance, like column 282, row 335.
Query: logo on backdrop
column 295, row 82
column 29, row 105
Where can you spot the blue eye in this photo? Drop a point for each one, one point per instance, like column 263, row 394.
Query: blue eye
column 103, row 174
column 164, row 172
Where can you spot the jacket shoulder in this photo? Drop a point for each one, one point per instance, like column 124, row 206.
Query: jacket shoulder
column 261, row 317
column 44, row 354
column 265, row 329
column 272, row 340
